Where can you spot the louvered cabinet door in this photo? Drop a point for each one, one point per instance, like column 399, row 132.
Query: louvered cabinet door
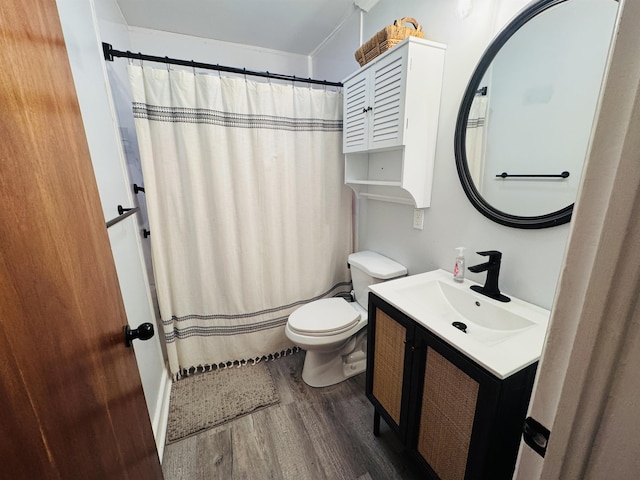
column 355, row 114
column 374, row 105
column 388, row 82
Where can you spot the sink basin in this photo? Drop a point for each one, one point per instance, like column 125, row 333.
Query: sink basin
column 502, row 337
column 465, row 305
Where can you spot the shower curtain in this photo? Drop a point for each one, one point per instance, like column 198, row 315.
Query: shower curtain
column 248, row 211
column 475, row 139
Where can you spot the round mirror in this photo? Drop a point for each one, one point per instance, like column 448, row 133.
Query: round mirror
column 525, row 121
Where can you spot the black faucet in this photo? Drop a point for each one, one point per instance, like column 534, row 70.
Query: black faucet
column 492, row 267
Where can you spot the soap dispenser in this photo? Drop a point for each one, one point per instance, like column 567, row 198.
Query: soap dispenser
column 458, row 268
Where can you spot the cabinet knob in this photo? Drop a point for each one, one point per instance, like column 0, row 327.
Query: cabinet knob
column 411, row 346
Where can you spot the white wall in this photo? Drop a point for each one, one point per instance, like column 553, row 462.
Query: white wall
column 184, row 47
column 531, row 258
column 114, row 30
column 79, row 26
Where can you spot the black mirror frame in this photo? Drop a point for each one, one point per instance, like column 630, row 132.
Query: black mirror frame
column 542, row 221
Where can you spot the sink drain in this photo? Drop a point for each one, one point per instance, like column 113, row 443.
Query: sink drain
column 460, row 326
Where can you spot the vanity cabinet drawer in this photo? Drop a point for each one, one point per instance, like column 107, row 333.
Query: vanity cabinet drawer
column 457, row 419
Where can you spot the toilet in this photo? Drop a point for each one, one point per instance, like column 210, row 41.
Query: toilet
column 332, row 330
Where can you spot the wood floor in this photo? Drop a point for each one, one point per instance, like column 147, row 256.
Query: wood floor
column 312, row 434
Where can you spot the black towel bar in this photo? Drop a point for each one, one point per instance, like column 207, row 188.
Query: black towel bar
column 122, row 214
column 564, row 174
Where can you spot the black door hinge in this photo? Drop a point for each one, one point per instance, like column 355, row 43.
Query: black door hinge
column 536, row 436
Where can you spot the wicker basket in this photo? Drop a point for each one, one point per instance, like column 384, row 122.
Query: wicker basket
column 386, row 38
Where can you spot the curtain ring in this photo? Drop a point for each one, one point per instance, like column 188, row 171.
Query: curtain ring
column 218, row 69
column 193, row 67
column 244, row 72
column 167, row 64
column 140, row 56
column 269, row 77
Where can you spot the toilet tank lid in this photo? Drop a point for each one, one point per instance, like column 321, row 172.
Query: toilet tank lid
column 376, row 265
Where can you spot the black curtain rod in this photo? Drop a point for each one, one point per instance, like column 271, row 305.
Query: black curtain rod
column 110, row 54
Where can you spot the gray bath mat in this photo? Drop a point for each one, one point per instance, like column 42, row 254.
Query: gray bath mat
column 204, row 400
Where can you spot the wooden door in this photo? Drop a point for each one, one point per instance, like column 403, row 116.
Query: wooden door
column 71, row 400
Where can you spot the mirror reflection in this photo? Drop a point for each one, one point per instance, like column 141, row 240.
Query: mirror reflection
column 532, row 106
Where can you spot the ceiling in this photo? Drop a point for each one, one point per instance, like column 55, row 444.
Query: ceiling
column 294, row 26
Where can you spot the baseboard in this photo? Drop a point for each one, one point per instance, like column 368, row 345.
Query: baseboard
column 161, row 418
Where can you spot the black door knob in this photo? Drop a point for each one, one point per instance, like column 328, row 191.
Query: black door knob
column 143, row 332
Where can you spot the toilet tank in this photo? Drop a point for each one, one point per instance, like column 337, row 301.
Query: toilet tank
column 369, row 268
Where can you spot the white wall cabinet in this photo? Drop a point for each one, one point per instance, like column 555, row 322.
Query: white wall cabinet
column 391, row 109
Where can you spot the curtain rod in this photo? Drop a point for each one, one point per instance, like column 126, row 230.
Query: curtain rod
column 110, row 54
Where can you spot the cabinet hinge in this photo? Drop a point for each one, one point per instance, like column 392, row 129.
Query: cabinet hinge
column 536, row 436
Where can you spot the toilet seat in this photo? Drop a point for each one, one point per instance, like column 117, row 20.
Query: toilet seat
column 326, row 317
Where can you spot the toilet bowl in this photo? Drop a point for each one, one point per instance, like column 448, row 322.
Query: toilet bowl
column 332, row 330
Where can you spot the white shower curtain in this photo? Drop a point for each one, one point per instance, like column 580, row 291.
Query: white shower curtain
column 248, row 212
column 475, row 141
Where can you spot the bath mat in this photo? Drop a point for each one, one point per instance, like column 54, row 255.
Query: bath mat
column 205, row 400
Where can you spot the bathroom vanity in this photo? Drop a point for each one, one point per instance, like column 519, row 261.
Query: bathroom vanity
column 459, row 414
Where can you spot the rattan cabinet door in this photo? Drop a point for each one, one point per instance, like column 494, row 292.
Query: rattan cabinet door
column 390, row 353
column 389, row 364
column 449, row 399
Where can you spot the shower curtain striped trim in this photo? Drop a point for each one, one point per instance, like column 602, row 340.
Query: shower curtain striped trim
column 221, row 330
column 227, row 119
column 476, row 122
